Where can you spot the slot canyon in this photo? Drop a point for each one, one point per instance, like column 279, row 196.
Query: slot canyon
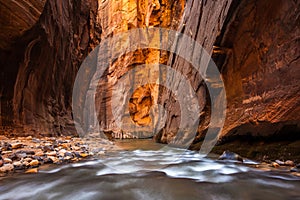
column 254, row 45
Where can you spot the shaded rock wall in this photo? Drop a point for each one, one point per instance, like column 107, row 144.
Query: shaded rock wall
column 203, row 21
column 257, row 52
column 40, row 68
column 17, row 17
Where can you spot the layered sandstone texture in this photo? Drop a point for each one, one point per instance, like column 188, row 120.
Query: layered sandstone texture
column 39, row 68
column 261, row 70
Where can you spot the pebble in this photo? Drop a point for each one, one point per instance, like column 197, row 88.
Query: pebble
column 6, row 152
column 7, row 160
column 294, row 169
column 289, row 163
column 29, row 138
column 18, row 165
column 54, row 159
column 21, row 155
column 27, row 159
column 34, row 163
column 47, row 148
column 69, row 154
column 68, row 158
column 16, row 145
column 65, row 145
column 39, row 153
column 227, row 155
column 84, row 155
column 52, row 153
column 6, row 168
column 279, row 162
column 32, row 171
column 30, row 152
column 47, row 160
column 275, row 164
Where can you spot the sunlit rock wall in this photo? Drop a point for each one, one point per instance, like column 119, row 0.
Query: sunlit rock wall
column 121, row 77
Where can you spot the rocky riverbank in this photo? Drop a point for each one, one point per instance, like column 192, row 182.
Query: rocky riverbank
column 27, row 154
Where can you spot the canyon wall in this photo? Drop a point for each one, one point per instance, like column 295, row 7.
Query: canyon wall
column 254, row 43
column 259, row 60
column 39, row 68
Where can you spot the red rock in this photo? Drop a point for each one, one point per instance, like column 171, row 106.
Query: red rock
column 32, row 171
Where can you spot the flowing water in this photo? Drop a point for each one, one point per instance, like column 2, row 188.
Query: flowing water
column 160, row 173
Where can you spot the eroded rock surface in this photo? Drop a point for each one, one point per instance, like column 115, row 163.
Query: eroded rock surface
column 261, row 70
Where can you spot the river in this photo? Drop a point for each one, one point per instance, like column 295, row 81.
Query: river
column 151, row 171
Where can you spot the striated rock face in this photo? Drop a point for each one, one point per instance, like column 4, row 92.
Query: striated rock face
column 40, row 68
column 203, row 21
column 17, row 17
column 257, row 52
column 260, row 45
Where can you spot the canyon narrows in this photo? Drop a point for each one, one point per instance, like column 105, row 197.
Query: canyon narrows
column 255, row 45
column 149, row 99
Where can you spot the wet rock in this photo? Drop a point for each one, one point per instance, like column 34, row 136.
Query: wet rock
column 279, row 162
column 39, row 153
column 77, row 154
column 18, row 165
column 35, row 140
column 28, row 160
column 84, row 155
column 5, row 146
column 47, row 160
column 62, row 152
column 227, row 155
column 289, row 163
column 29, row 152
column 21, row 155
column 39, row 158
column 34, row 163
column 69, row 154
column 67, row 158
column 7, row 160
column 16, row 145
column 294, row 169
column 6, row 168
column 54, row 159
column 32, row 171
column 65, row 145
column 29, row 138
column 52, row 153
column 47, row 148
column 275, row 165
column 6, row 152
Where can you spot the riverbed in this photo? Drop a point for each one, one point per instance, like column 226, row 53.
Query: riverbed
column 146, row 170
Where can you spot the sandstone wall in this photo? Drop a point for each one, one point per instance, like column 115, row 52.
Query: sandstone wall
column 261, row 69
column 40, row 67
